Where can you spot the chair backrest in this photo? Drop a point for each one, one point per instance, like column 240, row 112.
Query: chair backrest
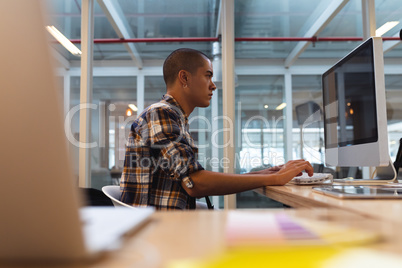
column 113, row 192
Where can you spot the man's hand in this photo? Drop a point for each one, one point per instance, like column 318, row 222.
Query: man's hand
column 292, row 169
column 274, row 169
column 271, row 170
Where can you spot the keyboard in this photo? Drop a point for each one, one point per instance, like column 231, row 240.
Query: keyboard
column 317, row 178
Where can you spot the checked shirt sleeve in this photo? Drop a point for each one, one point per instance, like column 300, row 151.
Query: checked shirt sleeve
column 169, row 138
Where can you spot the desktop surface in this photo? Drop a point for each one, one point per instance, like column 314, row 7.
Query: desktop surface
column 303, row 197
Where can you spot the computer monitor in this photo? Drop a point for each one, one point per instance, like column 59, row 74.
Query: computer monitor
column 355, row 118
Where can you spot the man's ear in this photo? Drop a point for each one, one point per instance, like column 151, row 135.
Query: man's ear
column 183, row 77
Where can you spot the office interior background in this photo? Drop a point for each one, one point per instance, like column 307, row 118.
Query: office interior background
column 280, row 50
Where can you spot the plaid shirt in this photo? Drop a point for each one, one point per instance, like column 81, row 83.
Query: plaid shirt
column 160, row 153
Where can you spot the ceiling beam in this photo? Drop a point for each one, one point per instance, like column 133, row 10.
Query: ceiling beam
column 326, row 16
column 119, row 23
column 389, row 45
column 218, row 21
column 60, row 58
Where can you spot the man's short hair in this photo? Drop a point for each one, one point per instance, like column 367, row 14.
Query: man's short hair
column 182, row 59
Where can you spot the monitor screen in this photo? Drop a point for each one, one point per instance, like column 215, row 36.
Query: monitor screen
column 355, row 108
column 353, row 91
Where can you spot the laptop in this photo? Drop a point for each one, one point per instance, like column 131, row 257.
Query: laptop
column 40, row 209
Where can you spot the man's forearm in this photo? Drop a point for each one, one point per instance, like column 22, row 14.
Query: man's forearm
column 215, row 183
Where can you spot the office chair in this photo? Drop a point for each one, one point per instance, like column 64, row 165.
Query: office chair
column 113, row 192
column 95, row 197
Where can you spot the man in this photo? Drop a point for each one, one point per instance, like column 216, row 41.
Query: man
column 160, row 167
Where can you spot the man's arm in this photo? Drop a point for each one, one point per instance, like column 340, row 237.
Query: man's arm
column 216, row 183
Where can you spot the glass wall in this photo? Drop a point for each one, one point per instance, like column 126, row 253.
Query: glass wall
column 259, row 133
column 393, row 85
column 260, row 117
column 155, row 88
column 111, row 118
column 308, row 128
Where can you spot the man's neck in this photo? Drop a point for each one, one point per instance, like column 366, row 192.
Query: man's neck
column 187, row 108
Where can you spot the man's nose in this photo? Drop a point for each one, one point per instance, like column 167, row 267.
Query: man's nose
column 213, row 85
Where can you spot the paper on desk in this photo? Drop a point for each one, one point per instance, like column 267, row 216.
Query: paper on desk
column 245, row 228
column 257, row 239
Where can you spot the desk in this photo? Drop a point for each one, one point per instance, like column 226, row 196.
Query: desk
column 303, row 197
column 200, row 234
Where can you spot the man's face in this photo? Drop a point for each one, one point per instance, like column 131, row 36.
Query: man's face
column 200, row 85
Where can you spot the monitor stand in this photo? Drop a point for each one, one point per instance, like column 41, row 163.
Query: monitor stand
column 385, row 175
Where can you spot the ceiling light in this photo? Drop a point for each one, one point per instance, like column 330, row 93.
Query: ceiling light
column 386, row 27
column 63, row 40
column 281, row 106
column 133, row 107
column 266, row 106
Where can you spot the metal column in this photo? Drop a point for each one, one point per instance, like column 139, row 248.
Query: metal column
column 368, row 15
column 87, row 36
column 288, row 118
column 228, row 83
column 140, row 92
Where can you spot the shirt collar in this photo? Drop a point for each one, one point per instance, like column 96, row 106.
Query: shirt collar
column 170, row 100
